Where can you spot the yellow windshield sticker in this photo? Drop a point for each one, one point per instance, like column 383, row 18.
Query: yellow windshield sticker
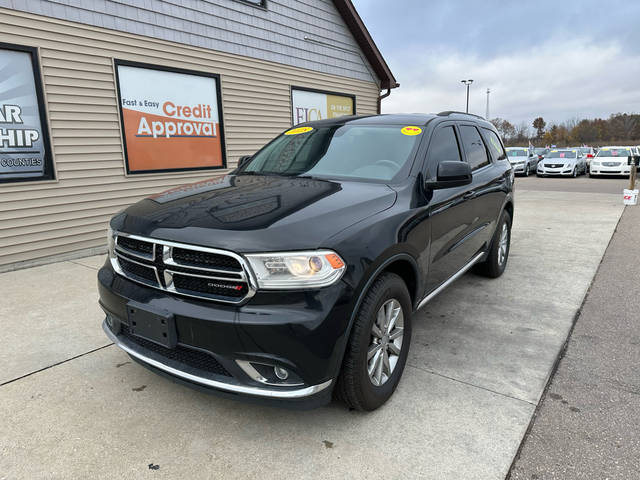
column 411, row 131
column 298, row 131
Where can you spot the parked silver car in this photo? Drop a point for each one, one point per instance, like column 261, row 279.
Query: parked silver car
column 523, row 161
column 567, row 162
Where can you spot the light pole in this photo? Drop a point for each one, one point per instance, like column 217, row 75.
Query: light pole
column 468, row 84
column 488, row 92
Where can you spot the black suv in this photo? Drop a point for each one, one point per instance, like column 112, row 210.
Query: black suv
column 297, row 275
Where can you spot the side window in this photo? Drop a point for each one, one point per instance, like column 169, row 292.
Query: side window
column 495, row 146
column 474, row 147
column 444, row 146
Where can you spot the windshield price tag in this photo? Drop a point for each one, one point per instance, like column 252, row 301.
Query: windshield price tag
column 298, row 131
column 411, row 131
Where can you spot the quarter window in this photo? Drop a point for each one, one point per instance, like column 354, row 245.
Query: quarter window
column 495, row 146
column 474, row 147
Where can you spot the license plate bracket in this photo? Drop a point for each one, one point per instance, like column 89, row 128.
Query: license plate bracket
column 156, row 326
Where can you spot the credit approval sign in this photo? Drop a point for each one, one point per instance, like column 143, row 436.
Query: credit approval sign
column 309, row 105
column 171, row 118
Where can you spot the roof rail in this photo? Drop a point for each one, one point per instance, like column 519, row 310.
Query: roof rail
column 450, row 112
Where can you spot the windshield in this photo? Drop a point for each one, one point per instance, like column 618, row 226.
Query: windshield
column 614, row 152
column 561, row 154
column 518, row 153
column 359, row 151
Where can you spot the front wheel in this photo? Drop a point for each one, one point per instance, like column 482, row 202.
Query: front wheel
column 496, row 261
column 378, row 346
column 526, row 171
column 574, row 174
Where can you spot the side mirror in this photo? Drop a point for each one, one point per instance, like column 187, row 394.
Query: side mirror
column 244, row 160
column 452, row 174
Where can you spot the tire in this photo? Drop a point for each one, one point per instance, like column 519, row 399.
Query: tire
column 574, row 174
column 355, row 387
column 526, row 170
column 496, row 261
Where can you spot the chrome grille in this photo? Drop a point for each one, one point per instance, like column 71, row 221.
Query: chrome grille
column 183, row 269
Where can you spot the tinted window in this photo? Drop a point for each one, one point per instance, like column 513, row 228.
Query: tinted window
column 495, row 145
column 474, row 147
column 444, row 146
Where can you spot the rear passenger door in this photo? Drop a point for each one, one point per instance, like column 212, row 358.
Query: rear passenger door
column 486, row 195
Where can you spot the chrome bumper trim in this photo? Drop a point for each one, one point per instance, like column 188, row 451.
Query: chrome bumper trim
column 255, row 391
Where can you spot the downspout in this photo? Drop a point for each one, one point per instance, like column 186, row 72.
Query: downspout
column 380, row 98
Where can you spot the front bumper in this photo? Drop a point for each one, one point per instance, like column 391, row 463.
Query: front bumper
column 623, row 169
column 303, row 332
column 560, row 171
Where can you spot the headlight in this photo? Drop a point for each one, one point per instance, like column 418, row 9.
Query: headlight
column 110, row 242
column 291, row 270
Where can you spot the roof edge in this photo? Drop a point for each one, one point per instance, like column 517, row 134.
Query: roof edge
column 366, row 43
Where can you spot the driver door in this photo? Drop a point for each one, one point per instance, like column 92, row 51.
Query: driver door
column 451, row 215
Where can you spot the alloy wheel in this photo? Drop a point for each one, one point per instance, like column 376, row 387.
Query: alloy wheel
column 386, row 342
column 503, row 244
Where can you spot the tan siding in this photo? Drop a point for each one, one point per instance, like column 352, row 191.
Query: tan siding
column 51, row 218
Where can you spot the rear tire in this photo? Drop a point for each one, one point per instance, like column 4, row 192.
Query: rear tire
column 496, row 261
column 356, row 386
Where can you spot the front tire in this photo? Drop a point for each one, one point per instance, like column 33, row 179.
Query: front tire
column 574, row 174
column 378, row 345
column 526, row 171
column 496, row 261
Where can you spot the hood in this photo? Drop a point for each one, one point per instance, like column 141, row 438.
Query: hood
column 255, row 213
column 558, row 161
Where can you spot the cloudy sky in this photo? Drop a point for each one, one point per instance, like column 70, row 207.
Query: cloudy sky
column 560, row 59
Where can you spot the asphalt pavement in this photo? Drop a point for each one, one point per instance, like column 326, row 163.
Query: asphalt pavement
column 588, row 422
column 583, row 183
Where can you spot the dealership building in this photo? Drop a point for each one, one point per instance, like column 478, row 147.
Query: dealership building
column 104, row 102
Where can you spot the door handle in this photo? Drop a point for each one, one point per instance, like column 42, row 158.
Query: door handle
column 469, row 195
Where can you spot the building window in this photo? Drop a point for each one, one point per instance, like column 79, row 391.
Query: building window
column 25, row 151
column 171, row 118
column 257, row 3
column 308, row 104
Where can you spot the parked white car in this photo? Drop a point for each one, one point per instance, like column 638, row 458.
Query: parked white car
column 611, row 161
column 522, row 160
column 565, row 162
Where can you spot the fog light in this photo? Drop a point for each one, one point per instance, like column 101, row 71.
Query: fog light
column 281, row 373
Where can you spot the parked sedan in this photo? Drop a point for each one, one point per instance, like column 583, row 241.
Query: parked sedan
column 611, row 161
column 562, row 162
column 522, row 160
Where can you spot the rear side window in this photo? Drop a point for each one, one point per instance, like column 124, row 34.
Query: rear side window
column 474, row 147
column 444, row 146
column 495, row 146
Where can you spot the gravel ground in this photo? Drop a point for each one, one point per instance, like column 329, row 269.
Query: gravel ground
column 587, row 425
